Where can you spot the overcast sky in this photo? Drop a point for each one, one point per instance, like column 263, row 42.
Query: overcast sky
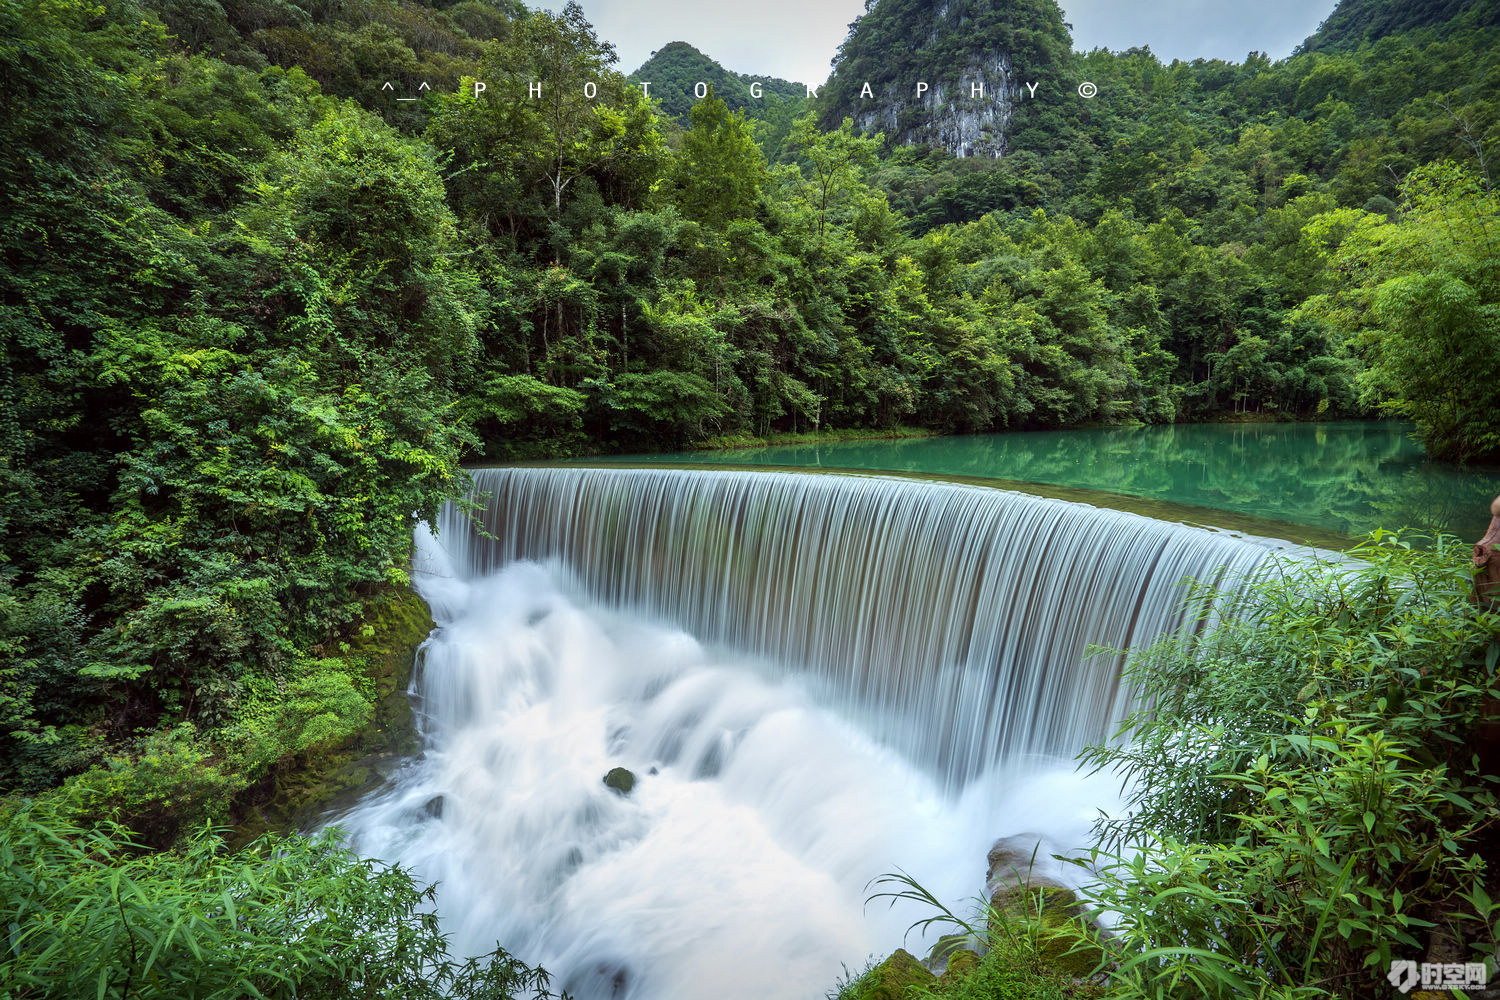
column 795, row 39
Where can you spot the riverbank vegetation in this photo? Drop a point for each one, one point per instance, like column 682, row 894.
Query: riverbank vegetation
column 1312, row 796
column 256, row 312
column 92, row 912
column 1314, row 793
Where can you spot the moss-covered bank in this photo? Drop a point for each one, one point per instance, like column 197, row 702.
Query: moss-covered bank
column 294, row 740
column 1009, row 970
column 380, row 659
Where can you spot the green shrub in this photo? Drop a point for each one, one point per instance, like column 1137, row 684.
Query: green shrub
column 1034, row 943
column 168, row 783
column 89, row 913
column 1308, row 803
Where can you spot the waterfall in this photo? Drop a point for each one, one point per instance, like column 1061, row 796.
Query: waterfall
column 815, row 679
column 964, row 616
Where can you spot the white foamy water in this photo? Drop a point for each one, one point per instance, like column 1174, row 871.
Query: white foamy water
column 885, row 683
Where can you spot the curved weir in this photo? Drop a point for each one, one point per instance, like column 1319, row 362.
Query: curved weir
column 966, row 618
column 812, row 679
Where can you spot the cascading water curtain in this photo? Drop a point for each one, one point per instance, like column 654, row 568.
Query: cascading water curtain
column 809, row 680
column 969, row 625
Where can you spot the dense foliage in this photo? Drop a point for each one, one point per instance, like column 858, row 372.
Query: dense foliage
column 225, row 400
column 1356, row 21
column 89, row 913
column 1421, row 295
column 1312, row 785
column 351, row 50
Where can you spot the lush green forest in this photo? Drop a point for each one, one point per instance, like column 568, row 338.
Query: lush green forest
column 1357, row 21
column 256, row 313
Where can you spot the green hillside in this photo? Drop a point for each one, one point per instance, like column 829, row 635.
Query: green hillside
column 676, row 68
column 1355, row 21
column 349, row 49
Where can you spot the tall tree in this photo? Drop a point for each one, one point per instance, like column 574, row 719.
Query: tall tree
column 720, row 168
column 830, row 164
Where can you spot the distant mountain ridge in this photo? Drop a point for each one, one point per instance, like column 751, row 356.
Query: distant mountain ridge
column 677, row 68
column 1353, row 22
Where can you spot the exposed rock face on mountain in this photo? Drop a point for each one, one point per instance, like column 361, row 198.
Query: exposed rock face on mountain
column 970, row 118
column 951, row 73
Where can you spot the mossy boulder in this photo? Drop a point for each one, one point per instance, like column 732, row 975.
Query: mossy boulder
column 1027, row 902
column 1050, row 915
column 950, row 946
column 891, row 979
column 621, row 780
column 960, row 964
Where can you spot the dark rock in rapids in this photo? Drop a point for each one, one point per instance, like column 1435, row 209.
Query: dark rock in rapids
column 621, row 780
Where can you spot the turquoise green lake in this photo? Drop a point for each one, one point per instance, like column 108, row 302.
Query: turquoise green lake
column 1340, row 478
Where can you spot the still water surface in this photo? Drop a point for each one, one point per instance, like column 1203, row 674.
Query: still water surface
column 1341, row 478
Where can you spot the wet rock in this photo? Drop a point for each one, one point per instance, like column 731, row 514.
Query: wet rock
column 433, row 807
column 960, row 964
column 891, row 979
column 1023, row 897
column 621, row 780
column 948, row 947
column 1017, row 860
